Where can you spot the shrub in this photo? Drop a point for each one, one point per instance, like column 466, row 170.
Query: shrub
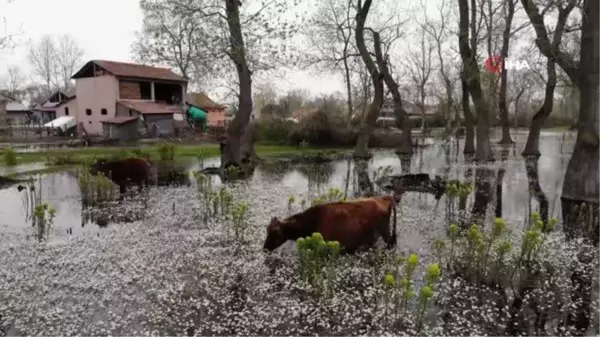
column 274, row 131
column 95, row 188
column 43, row 220
column 166, row 151
column 10, row 156
column 314, row 127
column 61, row 158
column 317, row 261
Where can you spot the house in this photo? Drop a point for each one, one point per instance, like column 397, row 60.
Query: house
column 60, row 103
column 217, row 113
column 121, row 128
column 12, row 111
column 111, row 95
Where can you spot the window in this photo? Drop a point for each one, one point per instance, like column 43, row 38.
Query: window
column 130, row 112
column 66, row 111
column 90, row 122
column 88, row 112
column 103, row 112
column 145, row 90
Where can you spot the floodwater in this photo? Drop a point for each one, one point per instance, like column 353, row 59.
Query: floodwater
column 62, row 191
column 167, row 271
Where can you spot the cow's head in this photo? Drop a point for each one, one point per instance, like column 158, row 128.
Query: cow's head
column 275, row 235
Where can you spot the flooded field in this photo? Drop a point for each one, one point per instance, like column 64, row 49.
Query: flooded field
column 157, row 264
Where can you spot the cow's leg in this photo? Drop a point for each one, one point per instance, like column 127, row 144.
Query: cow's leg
column 385, row 232
column 122, row 190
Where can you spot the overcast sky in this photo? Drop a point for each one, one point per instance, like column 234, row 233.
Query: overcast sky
column 104, row 28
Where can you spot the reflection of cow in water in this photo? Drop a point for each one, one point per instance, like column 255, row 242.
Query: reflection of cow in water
column 124, row 171
column 355, row 224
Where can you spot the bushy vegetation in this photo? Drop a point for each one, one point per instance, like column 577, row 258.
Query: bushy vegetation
column 10, row 156
column 96, row 189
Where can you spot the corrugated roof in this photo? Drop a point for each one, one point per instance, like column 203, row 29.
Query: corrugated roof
column 124, row 69
column 202, row 100
column 119, row 120
column 151, row 107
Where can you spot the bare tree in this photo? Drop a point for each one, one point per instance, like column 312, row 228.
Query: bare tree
column 55, row 62
column 402, row 120
column 240, row 42
column 174, row 39
column 42, row 57
column 369, row 119
column 13, row 82
column 330, row 34
column 69, row 57
column 420, row 67
column 532, row 146
column 438, row 30
column 581, row 177
column 483, row 151
column 509, row 9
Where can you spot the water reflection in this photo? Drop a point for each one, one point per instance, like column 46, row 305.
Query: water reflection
column 514, row 180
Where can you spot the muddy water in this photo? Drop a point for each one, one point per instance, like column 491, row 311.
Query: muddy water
column 434, row 157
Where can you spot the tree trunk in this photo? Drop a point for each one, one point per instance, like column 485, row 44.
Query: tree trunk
column 401, row 117
column 469, row 127
column 506, row 139
column 232, row 147
column 500, row 182
column 532, row 147
column 361, row 150
column 579, row 200
column 483, row 151
column 533, row 139
column 533, row 178
column 581, row 178
column 348, row 85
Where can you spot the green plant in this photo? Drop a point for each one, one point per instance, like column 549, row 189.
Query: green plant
column 10, row 156
column 95, row 188
column 458, row 189
column 332, row 195
column 239, row 212
column 291, row 201
column 140, row 153
column 166, row 151
column 400, row 294
column 61, row 158
column 489, row 255
column 317, row 261
column 43, row 220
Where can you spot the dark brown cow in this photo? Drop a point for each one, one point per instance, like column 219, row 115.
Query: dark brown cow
column 124, row 171
column 355, row 224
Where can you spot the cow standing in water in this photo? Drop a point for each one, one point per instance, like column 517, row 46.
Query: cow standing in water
column 124, row 171
column 355, row 224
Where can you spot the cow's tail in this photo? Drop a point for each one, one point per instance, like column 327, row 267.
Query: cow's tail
column 394, row 238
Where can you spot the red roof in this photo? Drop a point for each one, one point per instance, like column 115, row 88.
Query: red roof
column 123, row 69
column 151, row 107
column 119, row 120
column 202, row 101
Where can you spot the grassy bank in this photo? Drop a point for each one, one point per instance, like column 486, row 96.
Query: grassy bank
column 61, row 157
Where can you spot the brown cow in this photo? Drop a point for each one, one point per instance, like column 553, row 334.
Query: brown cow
column 124, row 171
column 355, row 224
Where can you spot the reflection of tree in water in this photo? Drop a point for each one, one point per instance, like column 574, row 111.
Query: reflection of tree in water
column 483, row 194
column 405, row 162
column 318, row 175
column 535, row 190
column 500, row 180
column 365, row 185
